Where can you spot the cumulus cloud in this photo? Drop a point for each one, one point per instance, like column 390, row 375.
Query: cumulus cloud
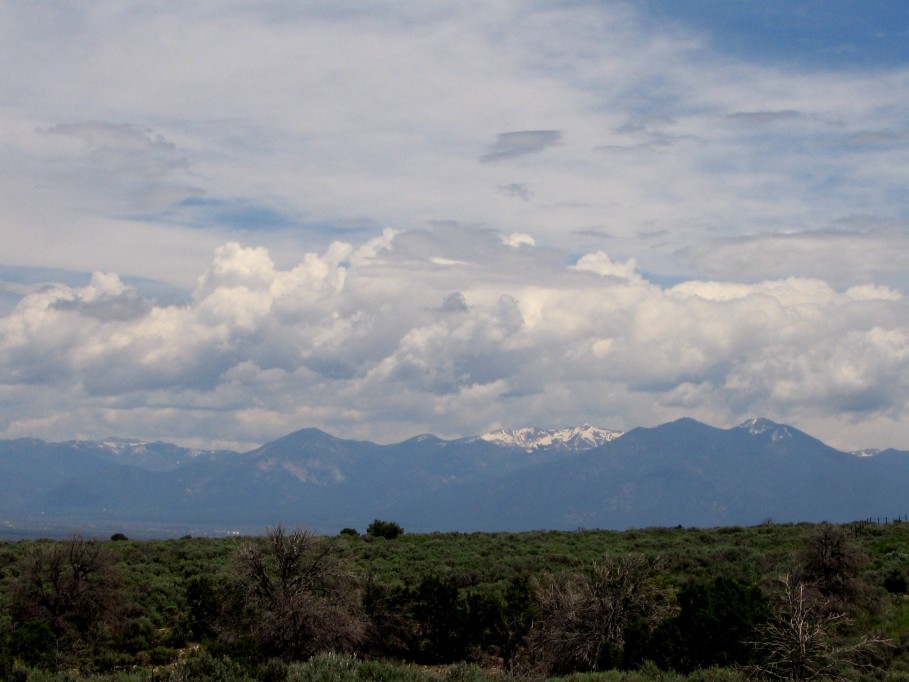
column 455, row 303
column 107, row 298
column 602, row 264
column 772, row 198
column 519, row 239
column 382, row 343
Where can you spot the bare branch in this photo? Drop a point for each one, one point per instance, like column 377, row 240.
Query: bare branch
column 799, row 643
column 300, row 601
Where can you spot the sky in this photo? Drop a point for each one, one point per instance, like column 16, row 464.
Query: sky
column 225, row 221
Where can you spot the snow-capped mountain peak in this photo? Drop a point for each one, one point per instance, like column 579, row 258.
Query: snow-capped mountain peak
column 759, row 425
column 531, row 439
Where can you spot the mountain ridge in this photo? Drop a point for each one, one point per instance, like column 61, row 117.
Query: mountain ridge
column 681, row 472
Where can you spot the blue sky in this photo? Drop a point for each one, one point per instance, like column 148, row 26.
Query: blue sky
column 226, row 221
column 833, row 36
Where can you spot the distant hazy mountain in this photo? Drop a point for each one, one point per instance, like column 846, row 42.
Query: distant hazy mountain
column 152, row 456
column 683, row 472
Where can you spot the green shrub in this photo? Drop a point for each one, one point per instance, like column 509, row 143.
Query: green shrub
column 464, row 672
column 716, row 675
column 33, row 642
column 895, row 581
column 384, row 529
column 203, row 667
column 712, row 628
column 273, row 670
column 325, row 668
column 385, row 671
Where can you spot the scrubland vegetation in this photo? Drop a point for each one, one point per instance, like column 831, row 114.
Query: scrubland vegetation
column 771, row 602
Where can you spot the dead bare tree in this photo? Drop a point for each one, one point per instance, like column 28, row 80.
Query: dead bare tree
column 299, row 599
column 581, row 613
column 70, row 586
column 801, row 642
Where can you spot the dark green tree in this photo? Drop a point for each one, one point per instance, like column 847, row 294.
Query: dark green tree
column 831, row 563
column 384, row 529
column 484, row 623
column 202, row 607
column 441, row 618
column 390, row 631
column 716, row 624
column 69, row 586
column 518, row 615
column 33, row 642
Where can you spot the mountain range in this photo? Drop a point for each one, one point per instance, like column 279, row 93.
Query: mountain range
column 681, row 473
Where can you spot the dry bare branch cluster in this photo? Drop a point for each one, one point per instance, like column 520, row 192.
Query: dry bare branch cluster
column 584, row 613
column 69, row 585
column 802, row 641
column 299, row 599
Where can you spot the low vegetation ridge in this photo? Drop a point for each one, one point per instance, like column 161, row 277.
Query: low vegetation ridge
column 768, row 602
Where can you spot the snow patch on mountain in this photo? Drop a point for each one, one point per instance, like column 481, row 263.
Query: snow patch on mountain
column 759, row 426
column 531, row 439
column 133, row 447
column 124, row 445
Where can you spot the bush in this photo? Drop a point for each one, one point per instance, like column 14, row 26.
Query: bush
column 202, row 607
column 464, row 672
column 832, row 563
column 325, row 668
column 712, row 628
column 895, row 581
column 205, row 668
column 33, row 642
column 273, row 670
column 384, row 529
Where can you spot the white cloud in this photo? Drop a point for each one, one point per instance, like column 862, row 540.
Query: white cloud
column 233, row 106
column 383, row 348
column 395, row 284
column 518, row 239
column 602, row 264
